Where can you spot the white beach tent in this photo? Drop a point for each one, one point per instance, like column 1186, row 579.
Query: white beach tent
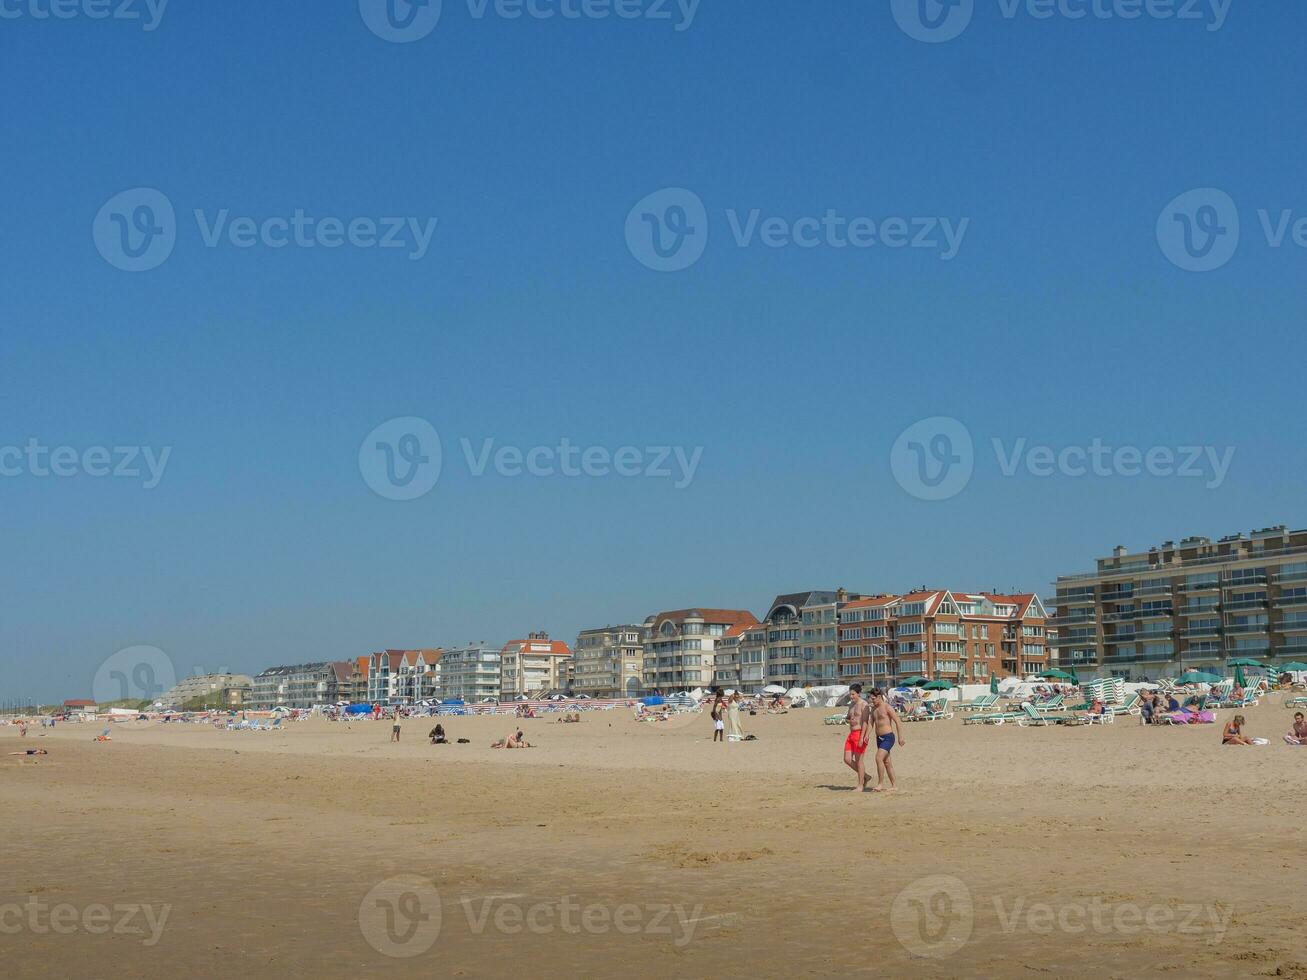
column 828, row 696
column 773, row 689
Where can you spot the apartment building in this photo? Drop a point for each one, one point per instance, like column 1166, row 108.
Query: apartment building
column 403, row 676
column 296, row 686
column 607, row 662
column 215, row 690
column 957, row 636
column 470, row 672
column 679, row 646
column 532, row 666
column 726, row 660
column 1188, row 605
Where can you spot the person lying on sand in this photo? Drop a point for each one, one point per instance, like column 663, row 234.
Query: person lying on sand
column 38, row 752
column 1233, row 734
column 1298, row 733
column 517, row 741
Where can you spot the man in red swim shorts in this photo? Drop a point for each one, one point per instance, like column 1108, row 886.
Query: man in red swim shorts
column 855, row 746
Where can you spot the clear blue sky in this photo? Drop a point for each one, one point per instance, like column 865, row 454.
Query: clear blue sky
column 1060, row 320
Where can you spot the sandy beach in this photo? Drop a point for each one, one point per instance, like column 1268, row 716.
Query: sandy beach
column 646, row 850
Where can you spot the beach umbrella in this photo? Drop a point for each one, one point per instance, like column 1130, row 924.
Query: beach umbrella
column 916, row 681
column 1056, row 675
column 1295, row 667
column 1239, row 678
column 1075, row 677
column 937, row 686
column 993, row 683
column 1245, row 662
column 1197, row 677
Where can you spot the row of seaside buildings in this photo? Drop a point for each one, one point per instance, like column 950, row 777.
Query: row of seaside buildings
column 1179, row 606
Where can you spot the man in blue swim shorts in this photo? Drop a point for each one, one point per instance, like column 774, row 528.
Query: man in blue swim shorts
column 886, row 720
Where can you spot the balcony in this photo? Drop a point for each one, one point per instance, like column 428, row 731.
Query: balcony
column 1154, row 590
column 1244, row 604
column 1155, row 634
column 1191, row 587
column 1122, row 638
column 1240, row 583
column 1201, row 631
column 1200, row 610
column 1075, row 641
column 1258, row 647
column 1116, row 617
column 1247, row 628
column 1289, row 601
column 1290, row 577
column 1118, row 594
column 1295, row 649
column 1292, row 626
column 1165, row 613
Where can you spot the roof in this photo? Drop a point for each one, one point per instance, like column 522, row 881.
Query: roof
column 729, row 617
column 318, row 667
column 557, row 648
column 343, row 668
column 79, row 703
column 880, row 600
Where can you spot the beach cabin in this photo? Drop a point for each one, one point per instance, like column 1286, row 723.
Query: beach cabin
column 80, row 708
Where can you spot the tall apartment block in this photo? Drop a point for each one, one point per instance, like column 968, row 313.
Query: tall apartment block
column 470, row 673
column 680, row 646
column 1191, row 605
column 607, row 662
column 532, row 666
column 958, row 636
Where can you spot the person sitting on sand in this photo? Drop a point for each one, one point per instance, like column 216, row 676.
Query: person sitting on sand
column 1147, row 705
column 1298, row 733
column 1096, row 708
column 517, row 741
column 1172, row 705
column 438, row 736
column 1233, row 734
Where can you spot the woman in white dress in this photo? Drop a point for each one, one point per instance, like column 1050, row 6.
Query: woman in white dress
column 733, row 732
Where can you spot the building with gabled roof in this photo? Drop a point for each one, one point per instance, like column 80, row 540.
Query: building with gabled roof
column 679, row 646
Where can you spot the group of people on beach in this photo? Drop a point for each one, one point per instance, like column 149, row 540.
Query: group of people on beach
column 868, row 716
column 726, row 712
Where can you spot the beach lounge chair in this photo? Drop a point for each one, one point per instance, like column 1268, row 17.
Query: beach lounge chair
column 1052, row 704
column 993, row 717
column 1031, row 716
column 983, row 702
column 1295, row 702
column 836, row 719
column 1130, row 707
column 930, row 711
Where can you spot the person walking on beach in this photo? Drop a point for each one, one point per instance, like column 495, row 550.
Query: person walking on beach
column 394, row 728
column 886, row 720
column 718, row 725
column 733, row 731
column 855, row 744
